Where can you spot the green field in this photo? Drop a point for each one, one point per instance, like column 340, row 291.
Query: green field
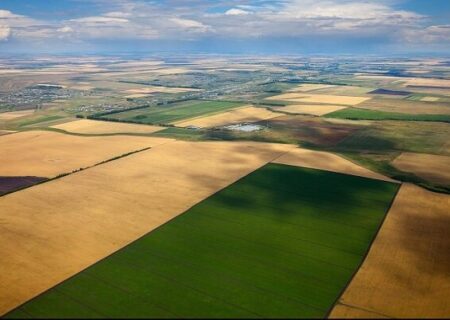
column 173, row 112
column 282, row 242
column 366, row 114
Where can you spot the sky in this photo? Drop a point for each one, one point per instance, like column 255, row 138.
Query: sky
column 231, row 26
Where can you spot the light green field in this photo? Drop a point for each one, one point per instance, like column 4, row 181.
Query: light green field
column 366, row 114
column 282, row 242
column 173, row 112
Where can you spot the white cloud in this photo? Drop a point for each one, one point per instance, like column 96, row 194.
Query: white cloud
column 191, row 25
column 431, row 34
column 5, row 32
column 236, row 12
column 100, row 20
column 65, row 29
column 136, row 20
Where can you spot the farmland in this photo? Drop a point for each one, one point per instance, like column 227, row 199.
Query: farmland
column 406, row 273
column 249, row 257
column 49, row 154
column 431, row 167
column 244, row 114
column 173, row 113
column 92, row 213
column 365, row 114
column 102, row 127
column 224, row 186
column 317, row 110
column 322, row 98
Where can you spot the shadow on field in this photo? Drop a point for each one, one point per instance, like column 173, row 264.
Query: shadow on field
column 9, row 184
column 427, row 239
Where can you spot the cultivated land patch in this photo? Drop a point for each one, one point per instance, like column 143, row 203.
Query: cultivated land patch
column 427, row 166
column 244, row 114
column 406, row 106
column 439, row 83
column 90, row 214
column 104, row 127
column 345, row 90
column 430, row 99
column 15, row 114
column 306, row 87
column 313, row 130
column 312, row 109
column 407, row 271
column 156, row 89
column 326, row 161
column 320, row 98
column 367, row 114
column 48, row 154
column 174, row 112
column 281, row 242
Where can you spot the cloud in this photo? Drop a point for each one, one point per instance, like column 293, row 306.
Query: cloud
column 236, row 12
column 5, row 32
column 189, row 24
column 136, row 20
column 65, row 29
column 431, row 34
column 100, row 21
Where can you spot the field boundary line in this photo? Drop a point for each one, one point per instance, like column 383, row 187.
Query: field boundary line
column 367, row 252
column 348, row 174
column 363, row 309
column 139, row 238
column 62, row 175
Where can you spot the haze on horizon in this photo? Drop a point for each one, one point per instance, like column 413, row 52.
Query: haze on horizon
column 233, row 26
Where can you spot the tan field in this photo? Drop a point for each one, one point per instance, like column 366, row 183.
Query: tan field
column 406, row 106
column 345, row 91
column 138, row 95
column 104, row 127
column 428, row 82
column 15, row 114
column 48, row 154
column 54, row 230
column 407, row 271
column 313, row 109
column 430, row 99
column 306, row 87
column 322, row 98
column 244, row 114
column 326, row 161
column 154, row 89
column 427, row 166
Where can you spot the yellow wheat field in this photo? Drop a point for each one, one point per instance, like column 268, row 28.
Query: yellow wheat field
column 407, row 271
column 154, row 89
column 104, row 127
column 306, row 87
column 48, row 154
column 427, row 166
column 326, row 161
column 320, row 98
column 312, row 109
column 429, row 99
column 54, row 230
column 244, row 114
column 15, row 114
